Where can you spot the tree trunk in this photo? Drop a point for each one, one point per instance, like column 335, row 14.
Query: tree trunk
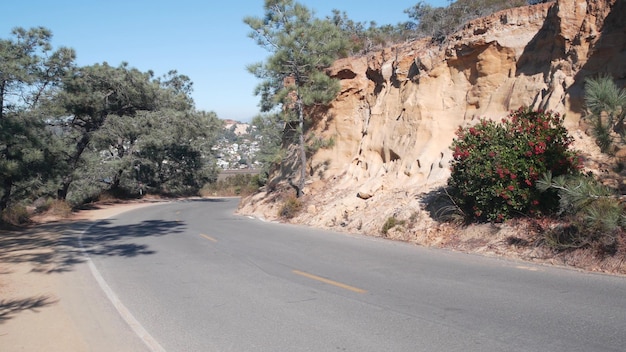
column 65, row 186
column 302, row 149
column 117, row 179
column 2, row 92
column 69, row 178
column 7, row 186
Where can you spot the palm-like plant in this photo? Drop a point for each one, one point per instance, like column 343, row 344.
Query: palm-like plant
column 607, row 107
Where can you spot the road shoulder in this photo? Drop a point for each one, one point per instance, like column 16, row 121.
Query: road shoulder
column 49, row 300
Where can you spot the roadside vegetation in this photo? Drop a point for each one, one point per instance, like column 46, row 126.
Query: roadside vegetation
column 523, row 168
column 496, row 166
column 71, row 134
column 241, row 185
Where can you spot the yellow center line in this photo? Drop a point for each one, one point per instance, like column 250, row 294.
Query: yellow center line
column 208, row 237
column 330, row 282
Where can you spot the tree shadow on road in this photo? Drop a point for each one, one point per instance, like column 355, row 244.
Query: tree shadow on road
column 56, row 247
column 59, row 246
column 107, row 240
column 11, row 307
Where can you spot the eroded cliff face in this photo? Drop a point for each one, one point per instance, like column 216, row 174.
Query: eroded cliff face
column 398, row 110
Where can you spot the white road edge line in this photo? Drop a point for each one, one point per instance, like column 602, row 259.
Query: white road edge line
column 128, row 317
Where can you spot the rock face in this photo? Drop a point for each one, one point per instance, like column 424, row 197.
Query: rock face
column 398, row 110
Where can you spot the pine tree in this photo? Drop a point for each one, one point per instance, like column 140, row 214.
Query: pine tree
column 293, row 76
column 127, row 129
column 29, row 71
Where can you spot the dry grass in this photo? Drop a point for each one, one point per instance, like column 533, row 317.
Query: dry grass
column 290, row 208
column 15, row 216
column 524, row 239
column 240, row 185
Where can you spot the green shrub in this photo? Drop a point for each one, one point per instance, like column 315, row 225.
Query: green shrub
column 606, row 103
column 495, row 165
column 593, row 212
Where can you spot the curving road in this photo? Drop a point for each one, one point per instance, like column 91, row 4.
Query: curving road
column 195, row 277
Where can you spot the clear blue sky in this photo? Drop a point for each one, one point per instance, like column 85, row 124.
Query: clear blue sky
column 205, row 40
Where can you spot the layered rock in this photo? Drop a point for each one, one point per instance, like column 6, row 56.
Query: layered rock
column 399, row 108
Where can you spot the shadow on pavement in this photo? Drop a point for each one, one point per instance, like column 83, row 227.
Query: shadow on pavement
column 10, row 307
column 56, row 247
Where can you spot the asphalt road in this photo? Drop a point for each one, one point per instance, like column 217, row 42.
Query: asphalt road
column 194, row 277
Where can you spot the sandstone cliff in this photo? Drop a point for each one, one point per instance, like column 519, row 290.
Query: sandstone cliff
column 398, row 109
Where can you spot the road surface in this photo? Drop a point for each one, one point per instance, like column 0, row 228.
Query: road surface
column 191, row 276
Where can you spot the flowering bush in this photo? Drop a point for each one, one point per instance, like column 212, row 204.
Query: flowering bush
column 495, row 165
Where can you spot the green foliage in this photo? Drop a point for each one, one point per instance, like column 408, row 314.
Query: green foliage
column 76, row 132
column 269, row 133
column 131, row 133
column 301, row 47
column 29, row 73
column 316, row 143
column 439, row 22
column 425, row 21
column 594, row 212
column 496, row 165
column 175, row 157
column 390, row 223
column 364, row 37
column 290, row 208
column 91, row 95
column 603, row 95
column 576, row 192
column 607, row 107
column 293, row 76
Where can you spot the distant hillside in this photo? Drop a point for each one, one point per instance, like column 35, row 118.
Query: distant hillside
column 237, row 147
